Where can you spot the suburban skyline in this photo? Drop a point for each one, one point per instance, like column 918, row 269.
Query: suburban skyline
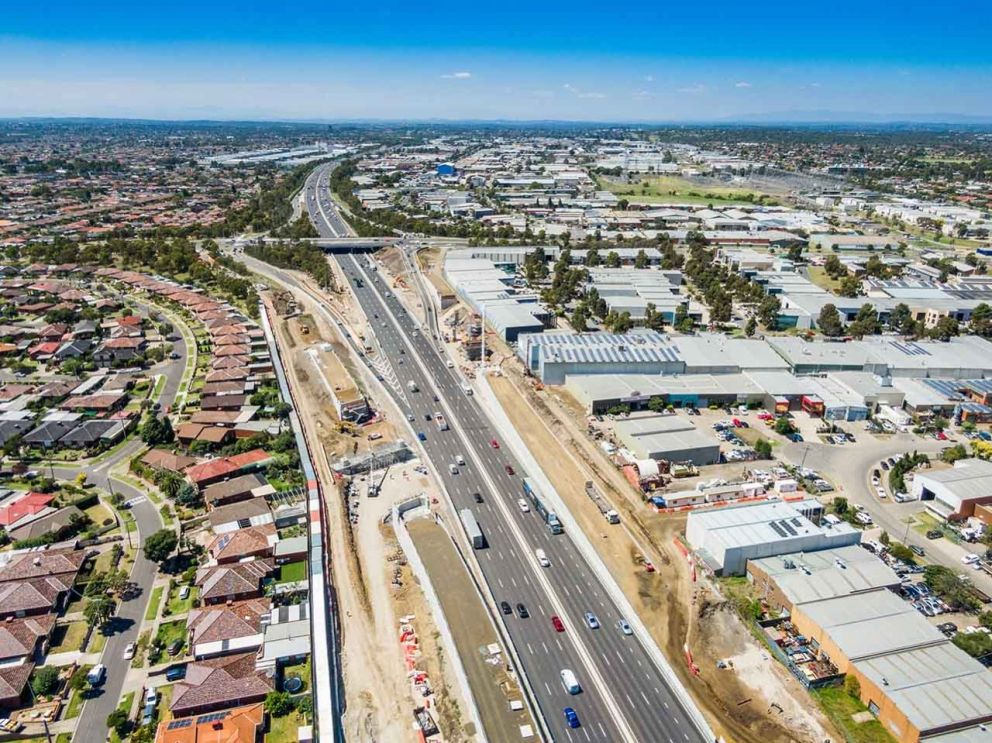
column 639, row 63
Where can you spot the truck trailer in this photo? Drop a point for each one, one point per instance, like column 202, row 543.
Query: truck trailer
column 604, row 508
column 549, row 517
column 472, row 530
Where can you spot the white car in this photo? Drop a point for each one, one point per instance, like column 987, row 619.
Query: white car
column 129, row 651
column 524, row 506
column 970, row 559
column 880, row 491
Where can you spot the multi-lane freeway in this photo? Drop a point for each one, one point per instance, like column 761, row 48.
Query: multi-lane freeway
column 625, row 695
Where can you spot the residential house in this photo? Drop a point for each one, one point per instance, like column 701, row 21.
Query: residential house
column 238, row 725
column 231, row 582
column 240, row 515
column 226, row 629
column 243, row 487
column 219, row 683
column 232, row 546
column 25, row 639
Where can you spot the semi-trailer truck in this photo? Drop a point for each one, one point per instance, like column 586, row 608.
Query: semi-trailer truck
column 549, row 517
column 472, row 530
column 604, row 508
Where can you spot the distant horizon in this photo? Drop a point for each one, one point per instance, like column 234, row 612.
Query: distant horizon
column 771, row 120
column 638, row 62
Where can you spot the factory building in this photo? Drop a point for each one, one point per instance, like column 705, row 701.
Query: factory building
column 726, row 538
column 670, row 438
column 954, row 494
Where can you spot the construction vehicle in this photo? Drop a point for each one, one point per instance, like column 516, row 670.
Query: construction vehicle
column 604, row 507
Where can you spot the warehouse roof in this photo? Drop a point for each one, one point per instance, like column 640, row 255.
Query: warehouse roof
column 813, row 576
column 760, row 523
column 716, row 349
column 872, row 624
column 935, row 687
column 641, row 386
column 674, row 444
column 967, row 479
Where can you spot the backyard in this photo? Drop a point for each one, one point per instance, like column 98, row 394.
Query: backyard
column 293, row 572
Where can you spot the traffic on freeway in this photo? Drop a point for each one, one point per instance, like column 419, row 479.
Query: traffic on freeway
column 322, row 213
column 559, row 617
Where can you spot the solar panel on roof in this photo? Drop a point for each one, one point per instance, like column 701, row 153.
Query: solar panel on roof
column 778, row 529
column 179, row 724
column 792, row 532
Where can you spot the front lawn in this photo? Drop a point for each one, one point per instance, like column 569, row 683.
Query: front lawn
column 181, row 606
column 68, row 637
column 152, row 611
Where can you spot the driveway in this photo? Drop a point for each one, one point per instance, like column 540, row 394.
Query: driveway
column 849, row 466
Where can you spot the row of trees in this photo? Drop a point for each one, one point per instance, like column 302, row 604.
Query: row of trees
column 298, row 256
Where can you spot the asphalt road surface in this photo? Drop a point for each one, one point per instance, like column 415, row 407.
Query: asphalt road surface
column 624, row 696
column 125, row 626
column 319, row 206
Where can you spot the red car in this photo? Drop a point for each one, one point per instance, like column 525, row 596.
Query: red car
column 765, row 416
column 557, row 623
column 736, row 422
column 494, row 444
column 509, row 470
column 649, row 566
column 941, row 436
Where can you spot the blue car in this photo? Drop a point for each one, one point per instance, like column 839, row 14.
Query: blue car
column 421, row 436
column 571, row 719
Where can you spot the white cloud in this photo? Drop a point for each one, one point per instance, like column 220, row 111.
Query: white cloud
column 742, row 84
column 457, row 76
column 579, row 93
column 592, row 95
column 642, row 95
column 649, row 78
column 570, row 88
column 692, row 89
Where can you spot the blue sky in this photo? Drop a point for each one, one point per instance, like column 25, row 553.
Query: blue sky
column 636, row 61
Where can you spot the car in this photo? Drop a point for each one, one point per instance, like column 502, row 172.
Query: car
column 571, row 718
column 477, row 497
column 129, row 651
column 421, row 436
column 917, row 550
column 504, row 606
column 891, row 461
column 948, row 628
column 941, row 436
column 175, row 647
column 795, row 437
column 934, row 534
column 557, row 623
column 436, row 398
column 509, row 470
column 884, row 465
column 624, row 626
column 522, row 611
column 151, row 696
column 410, row 417
column 524, row 506
column 970, row 559
column 428, row 417
column 591, row 620
column 494, row 444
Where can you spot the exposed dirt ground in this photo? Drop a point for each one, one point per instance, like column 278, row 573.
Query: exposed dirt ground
column 738, row 703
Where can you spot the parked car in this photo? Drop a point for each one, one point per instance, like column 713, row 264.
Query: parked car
column 934, row 534
column 129, row 651
column 175, row 647
column 917, row 550
column 176, row 673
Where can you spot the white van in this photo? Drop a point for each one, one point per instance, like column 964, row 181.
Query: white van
column 569, row 682
column 98, row 673
column 542, row 559
column 452, row 469
column 460, row 459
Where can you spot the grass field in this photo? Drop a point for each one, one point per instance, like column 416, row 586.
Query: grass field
column 293, row 571
column 675, row 190
column 181, row 606
column 840, row 706
column 818, row 275
column 283, row 729
column 68, row 637
column 152, row 611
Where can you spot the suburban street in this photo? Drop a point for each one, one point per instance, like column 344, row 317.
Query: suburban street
column 124, row 627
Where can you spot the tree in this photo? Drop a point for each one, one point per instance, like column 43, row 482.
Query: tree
column 45, row 681
column 976, row 644
column 829, row 321
column 768, row 311
column 945, row 329
column 593, row 258
column 981, row 321
column 641, row 260
column 118, row 720
column 840, row 505
column 188, row 495
column 750, row 327
column 834, row 268
column 763, row 448
column 278, row 703
column 613, row 259
column 580, row 319
column 865, row 323
column 160, row 545
column 653, row 319
column 900, row 317
column 156, row 431
column 849, row 287
column 98, row 610
column 682, row 320
column 783, row 426
column 657, row 404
